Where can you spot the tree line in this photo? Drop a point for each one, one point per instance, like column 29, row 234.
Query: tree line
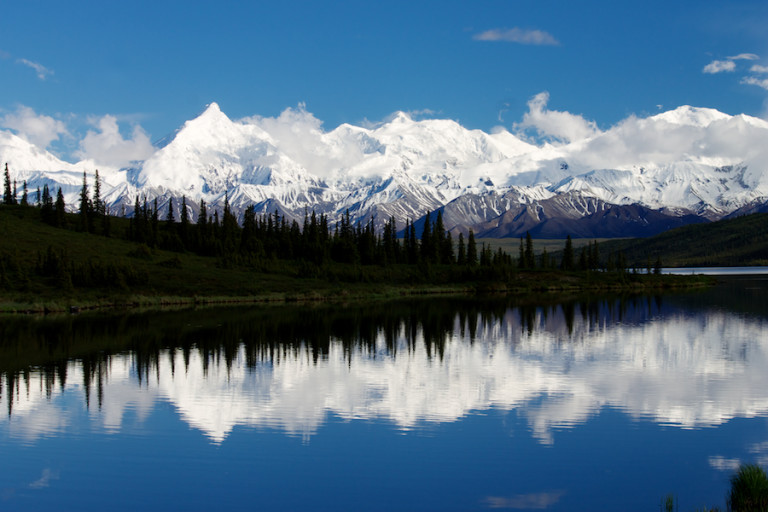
column 315, row 240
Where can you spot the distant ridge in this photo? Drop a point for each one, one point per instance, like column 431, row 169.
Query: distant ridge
column 638, row 178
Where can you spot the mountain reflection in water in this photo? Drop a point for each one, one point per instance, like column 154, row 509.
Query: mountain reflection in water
column 409, row 363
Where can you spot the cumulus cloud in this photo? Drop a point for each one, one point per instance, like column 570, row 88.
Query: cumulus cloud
column 38, row 129
column 684, row 134
column 298, row 133
column 720, row 66
column 753, row 80
column 107, row 146
column 42, row 72
column 518, row 35
column 562, row 126
column 729, row 65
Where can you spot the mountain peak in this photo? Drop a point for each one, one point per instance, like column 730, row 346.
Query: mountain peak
column 692, row 116
column 400, row 117
column 212, row 111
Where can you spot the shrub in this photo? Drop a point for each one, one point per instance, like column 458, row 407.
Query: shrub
column 749, row 490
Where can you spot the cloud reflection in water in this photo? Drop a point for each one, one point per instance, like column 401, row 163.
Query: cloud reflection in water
column 688, row 371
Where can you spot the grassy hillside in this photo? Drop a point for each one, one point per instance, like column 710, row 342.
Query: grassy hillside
column 735, row 242
column 44, row 267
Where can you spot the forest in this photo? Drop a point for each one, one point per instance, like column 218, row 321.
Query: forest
column 152, row 252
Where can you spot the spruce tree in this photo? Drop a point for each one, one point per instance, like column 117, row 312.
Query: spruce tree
column 471, row 249
column 567, row 263
column 169, row 219
column 60, row 218
column 84, row 205
column 98, row 206
column 24, row 195
column 46, row 209
column 461, row 258
column 7, row 191
column 184, row 222
column 530, row 261
column 426, row 240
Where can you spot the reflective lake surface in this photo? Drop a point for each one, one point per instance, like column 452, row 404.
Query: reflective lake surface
column 601, row 403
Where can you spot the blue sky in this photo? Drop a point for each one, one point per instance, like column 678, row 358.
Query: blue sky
column 150, row 66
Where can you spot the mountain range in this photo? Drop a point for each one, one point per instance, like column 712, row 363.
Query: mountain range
column 638, row 178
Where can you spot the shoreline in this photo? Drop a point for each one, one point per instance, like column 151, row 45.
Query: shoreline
column 527, row 284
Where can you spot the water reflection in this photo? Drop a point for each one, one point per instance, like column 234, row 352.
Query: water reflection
column 408, row 363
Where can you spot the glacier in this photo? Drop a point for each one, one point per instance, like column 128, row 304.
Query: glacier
column 685, row 165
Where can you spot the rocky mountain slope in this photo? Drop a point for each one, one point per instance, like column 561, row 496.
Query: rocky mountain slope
column 638, row 178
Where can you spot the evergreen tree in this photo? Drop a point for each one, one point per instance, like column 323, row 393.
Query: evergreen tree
column 447, row 256
column 583, row 259
column 8, row 197
column 98, row 206
column 461, row 258
column 155, row 223
column 413, row 246
column 657, row 266
column 229, row 228
column 530, row 261
column 47, row 212
column 84, row 205
column 594, row 256
column 184, row 222
column 427, row 245
column 443, row 249
column 567, row 263
column 471, row 249
column 544, row 259
column 59, row 210
column 24, row 195
column 169, row 219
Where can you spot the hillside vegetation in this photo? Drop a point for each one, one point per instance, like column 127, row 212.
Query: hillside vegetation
column 44, row 267
column 741, row 241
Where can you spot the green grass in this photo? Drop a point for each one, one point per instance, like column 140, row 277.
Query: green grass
column 169, row 278
column 512, row 245
column 742, row 241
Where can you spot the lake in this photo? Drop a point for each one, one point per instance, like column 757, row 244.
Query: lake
column 590, row 403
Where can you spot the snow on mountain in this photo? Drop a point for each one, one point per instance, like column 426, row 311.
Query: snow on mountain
column 685, row 160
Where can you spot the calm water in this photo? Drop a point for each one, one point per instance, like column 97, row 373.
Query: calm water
column 599, row 404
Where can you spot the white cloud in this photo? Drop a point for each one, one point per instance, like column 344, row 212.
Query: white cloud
column 757, row 68
column 729, row 64
column 744, row 56
column 38, row 129
column 108, row 147
column 721, row 463
column 298, row 133
column 44, row 480
column 563, row 126
column 518, row 35
column 42, row 72
column 538, row 501
column 752, row 80
column 720, row 66
column 680, row 135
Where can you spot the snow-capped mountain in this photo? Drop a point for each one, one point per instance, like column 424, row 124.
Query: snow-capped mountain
column 639, row 177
